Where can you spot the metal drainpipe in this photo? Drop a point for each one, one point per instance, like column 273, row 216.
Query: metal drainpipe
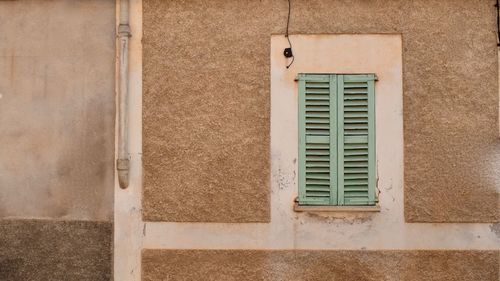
column 123, row 161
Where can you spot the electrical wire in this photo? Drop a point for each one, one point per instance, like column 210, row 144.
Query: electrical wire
column 286, row 33
column 498, row 21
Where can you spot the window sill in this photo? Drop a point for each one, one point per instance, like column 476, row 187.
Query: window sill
column 299, row 208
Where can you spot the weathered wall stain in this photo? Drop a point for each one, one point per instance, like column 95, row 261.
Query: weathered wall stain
column 57, row 109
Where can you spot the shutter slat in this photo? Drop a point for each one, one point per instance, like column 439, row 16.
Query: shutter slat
column 353, row 126
column 317, row 120
column 360, row 120
column 355, row 182
column 317, row 139
column 318, row 132
column 315, row 108
column 314, row 164
column 359, row 102
column 317, row 146
column 317, row 176
column 360, row 109
column 355, row 97
column 361, row 90
column 317, row 114
column 318, row 152
column 318, row 158
column 358, row 194
column 350, row 85
column 356, row 115
column 356, row 164
column 317, row 126
column 317, row 182
column 355, row 170
column 318, row 194
column 355, row 176
column 356, row 132
column 311, row 97
column 317, row 170
column 317, row 102
column 355, row 158
column 354, row 152
column 317, row 86
column 318, row 91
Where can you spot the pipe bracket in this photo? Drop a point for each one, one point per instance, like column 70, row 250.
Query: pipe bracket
column 122, row 164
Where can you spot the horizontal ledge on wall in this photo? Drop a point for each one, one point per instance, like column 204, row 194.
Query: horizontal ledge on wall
column 302, row 208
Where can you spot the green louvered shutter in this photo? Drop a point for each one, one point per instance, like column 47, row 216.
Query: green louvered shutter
column 317, row 139
column 356, row 140
column 337, row 139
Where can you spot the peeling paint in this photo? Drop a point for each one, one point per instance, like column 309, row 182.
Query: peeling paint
column 495, row 228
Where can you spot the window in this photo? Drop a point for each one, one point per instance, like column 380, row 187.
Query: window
column 337, row 139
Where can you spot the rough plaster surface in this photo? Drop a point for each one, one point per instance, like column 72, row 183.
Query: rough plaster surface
column 194, row 153
column 321, row 265
column 326, row 53
column 57, row 109
column 206, row 111
column 49, row 250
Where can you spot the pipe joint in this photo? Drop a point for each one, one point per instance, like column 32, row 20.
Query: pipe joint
column 124, row 31
column 123, row 166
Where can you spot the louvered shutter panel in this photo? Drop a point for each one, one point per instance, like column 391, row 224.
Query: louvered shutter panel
column 356, row 140
column 317, row 139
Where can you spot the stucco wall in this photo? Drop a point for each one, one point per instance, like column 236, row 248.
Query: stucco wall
column 321, row 265
column 57, row 109
column 206, row 111
column 324, row 53
column 197, row 166
column 55, row 250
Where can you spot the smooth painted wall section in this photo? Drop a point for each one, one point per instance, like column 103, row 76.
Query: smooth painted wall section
column 57, row 109
column 57, row 63
column 206, row 103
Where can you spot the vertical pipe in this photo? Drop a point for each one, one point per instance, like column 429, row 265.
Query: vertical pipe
column 123, row 161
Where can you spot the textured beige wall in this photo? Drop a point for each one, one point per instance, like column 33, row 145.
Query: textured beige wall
column 206, row 103
column 55, row 250
column 321, row 265
column 57, row 109
column 206, row 111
